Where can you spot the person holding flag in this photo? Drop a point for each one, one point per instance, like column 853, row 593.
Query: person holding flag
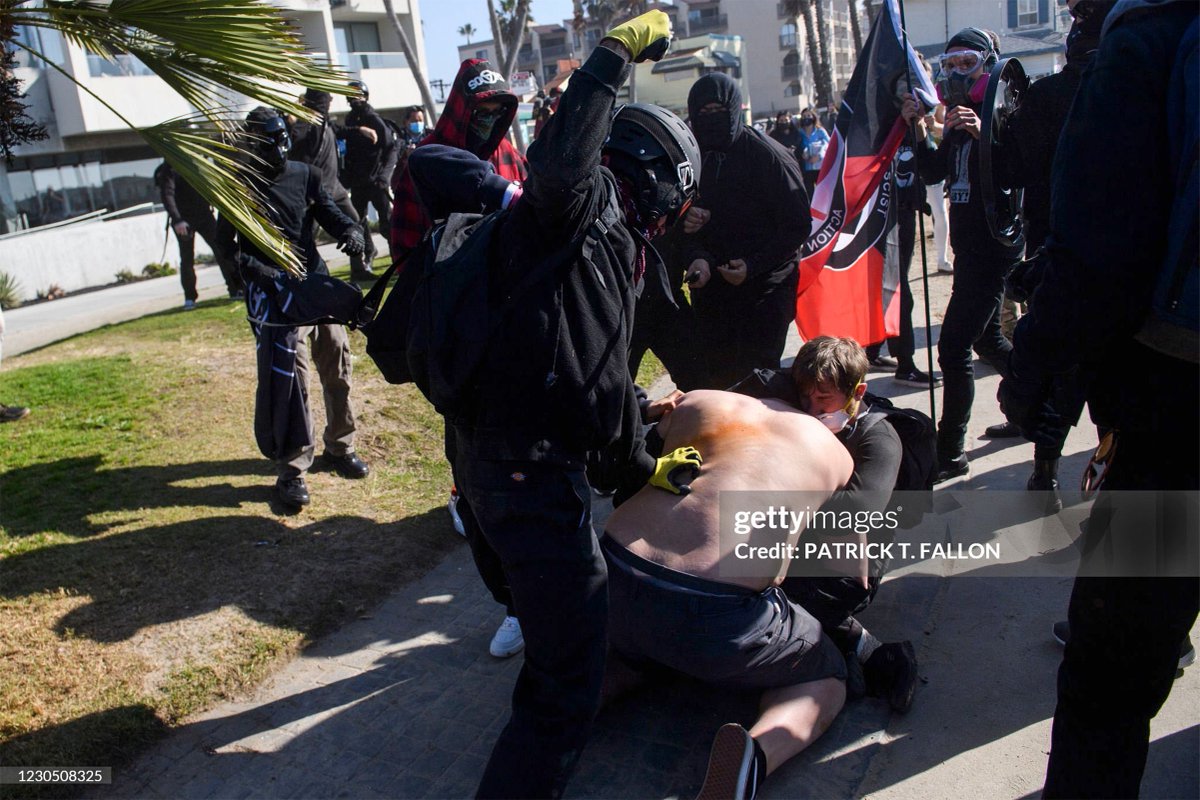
column 849, row 283
column 972, row 316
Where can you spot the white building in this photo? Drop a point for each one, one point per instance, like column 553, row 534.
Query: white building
column 1034, row 31
column 92, row 161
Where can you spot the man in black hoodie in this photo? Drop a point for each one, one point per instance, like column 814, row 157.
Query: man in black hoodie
column 742, row 253
column 980, row 261
column 554, row 387
column 371, row 154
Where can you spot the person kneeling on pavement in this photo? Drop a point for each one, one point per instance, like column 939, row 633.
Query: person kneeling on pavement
column 278, row 306
column 671, row 568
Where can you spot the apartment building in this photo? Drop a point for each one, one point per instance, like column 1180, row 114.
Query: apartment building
column 667, row 82
column 92, row 161
column 544, row 47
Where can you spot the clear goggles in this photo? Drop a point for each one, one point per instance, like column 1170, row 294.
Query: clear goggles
column 961, row 62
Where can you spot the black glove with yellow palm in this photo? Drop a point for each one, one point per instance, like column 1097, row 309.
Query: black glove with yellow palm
column 647, row 37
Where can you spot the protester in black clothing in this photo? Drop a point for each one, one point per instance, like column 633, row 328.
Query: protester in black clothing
column 371, row 155
column 1032, row 139
column 190, row 214
column 293, row 199
column 1111, row 250
column 664, row 321
column 555, row 385
column 910, row 201
column 786, row 134
column 972, row 317
column 315, row 143
column 743, row 253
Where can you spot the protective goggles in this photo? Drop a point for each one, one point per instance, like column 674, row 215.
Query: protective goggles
column 962, row 62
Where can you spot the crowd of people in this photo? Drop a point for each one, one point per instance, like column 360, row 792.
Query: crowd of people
column 627, row 229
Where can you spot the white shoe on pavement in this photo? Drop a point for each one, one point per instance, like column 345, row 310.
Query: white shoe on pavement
column 508, row 640
column 946, row 266
column 452, row 507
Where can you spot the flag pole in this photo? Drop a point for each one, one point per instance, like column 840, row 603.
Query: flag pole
column 921, row 223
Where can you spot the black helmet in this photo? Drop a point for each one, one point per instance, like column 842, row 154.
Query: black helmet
column 362, row 87
column 269, row 138
column 658, row 154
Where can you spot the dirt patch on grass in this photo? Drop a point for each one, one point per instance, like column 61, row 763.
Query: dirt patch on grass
column 145, row 573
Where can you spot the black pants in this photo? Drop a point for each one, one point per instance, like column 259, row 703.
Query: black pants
column 363, row 195
column 742, row 328
column 972, row 320
column 670, row 333
column 1120, row 661
column 206, row 226
column 537, row 518
column 834, row 601
column 902, row 346
column 487, row 563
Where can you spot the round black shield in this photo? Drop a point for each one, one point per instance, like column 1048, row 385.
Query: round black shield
column 1001, row 203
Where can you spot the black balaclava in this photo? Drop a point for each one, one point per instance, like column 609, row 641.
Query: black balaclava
column 1084, row 37
column 318, row 101
column 718, row 130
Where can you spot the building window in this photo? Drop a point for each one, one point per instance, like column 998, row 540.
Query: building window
column 794, row 89
column 482, row 54
column 1027, row 12
column 356, row 37
column 787, row 36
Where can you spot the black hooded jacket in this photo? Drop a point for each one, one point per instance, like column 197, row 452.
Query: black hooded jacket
column 555, row 385
column 315, row 143
column 367, row 162
column 751, row 184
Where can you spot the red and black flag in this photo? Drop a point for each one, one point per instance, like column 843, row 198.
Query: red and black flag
column 849, row 277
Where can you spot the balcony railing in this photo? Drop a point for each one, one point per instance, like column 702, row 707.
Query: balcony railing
column 121, row 65
column 709, row 22
column 555, row 51
column 391, row 60
column 789, row 71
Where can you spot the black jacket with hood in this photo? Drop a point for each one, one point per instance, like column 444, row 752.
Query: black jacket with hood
column 751, row 184
column 555, row 384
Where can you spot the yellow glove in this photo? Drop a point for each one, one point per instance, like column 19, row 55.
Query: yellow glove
column 646, row 37
column 675, row 471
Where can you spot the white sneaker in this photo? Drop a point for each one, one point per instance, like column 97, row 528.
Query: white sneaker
column 508, row 640
column 945, row 266
column 452, row 507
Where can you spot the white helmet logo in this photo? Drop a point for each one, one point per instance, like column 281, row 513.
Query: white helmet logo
column 485, row 78
column 687, row 175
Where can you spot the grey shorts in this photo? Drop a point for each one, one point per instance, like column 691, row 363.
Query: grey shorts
column 714, row 632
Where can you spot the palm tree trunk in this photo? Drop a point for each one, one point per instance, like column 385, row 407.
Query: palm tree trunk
column 411, row 56
column 823, row 34
column 512, row 50
column 814, row 55
column 855, row 28
column 497, row 39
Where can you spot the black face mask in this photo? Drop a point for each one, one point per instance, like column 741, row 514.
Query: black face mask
column 1084, row 36
column 807, row 122
column 713, row 131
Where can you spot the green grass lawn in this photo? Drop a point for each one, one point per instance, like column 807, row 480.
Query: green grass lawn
column 143, row 572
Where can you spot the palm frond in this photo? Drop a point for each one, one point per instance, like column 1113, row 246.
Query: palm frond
column 209, row 51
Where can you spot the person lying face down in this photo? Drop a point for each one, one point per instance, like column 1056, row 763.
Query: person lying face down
column 669, row 570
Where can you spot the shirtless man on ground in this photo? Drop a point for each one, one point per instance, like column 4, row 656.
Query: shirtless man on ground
column 670, row 601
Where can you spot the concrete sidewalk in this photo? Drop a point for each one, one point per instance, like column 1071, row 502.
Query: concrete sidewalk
column 30, row 327
column 406, row 702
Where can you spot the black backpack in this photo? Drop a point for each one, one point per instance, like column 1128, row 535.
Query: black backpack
column 918, row 462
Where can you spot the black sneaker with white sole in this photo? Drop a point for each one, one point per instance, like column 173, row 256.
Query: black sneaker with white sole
column 915, row 377
column 732, row 772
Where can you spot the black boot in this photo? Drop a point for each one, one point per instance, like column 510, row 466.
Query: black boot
column 891, row 673
column 1045, row 479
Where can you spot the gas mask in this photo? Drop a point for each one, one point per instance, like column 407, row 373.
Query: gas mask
column 956, row 87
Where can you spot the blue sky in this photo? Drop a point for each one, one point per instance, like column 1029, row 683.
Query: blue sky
column 442, row 18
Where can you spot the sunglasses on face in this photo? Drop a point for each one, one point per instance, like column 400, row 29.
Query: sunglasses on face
column 964, row 62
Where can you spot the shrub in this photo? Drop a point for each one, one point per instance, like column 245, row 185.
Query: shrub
column 127, row 276
column 10, row 291
column 157, row 270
